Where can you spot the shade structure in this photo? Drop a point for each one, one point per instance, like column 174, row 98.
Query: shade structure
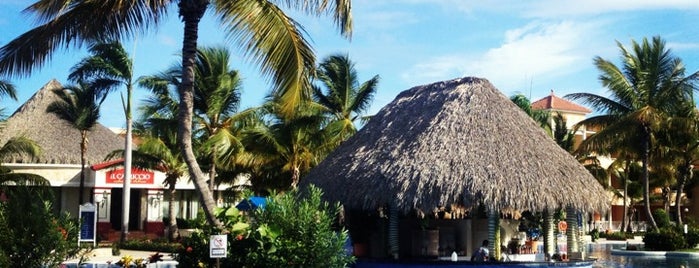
column 454, row 142
column 252, row 203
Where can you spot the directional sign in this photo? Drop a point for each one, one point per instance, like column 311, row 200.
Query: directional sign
column 218, row 245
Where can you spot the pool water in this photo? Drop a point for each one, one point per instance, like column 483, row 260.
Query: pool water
column 605, row 259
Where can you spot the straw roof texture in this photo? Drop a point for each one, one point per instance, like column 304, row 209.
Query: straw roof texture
column 60, row 142
column 455, row 142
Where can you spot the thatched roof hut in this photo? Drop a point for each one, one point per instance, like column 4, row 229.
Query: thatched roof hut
column 455, row 142
column 60, row 142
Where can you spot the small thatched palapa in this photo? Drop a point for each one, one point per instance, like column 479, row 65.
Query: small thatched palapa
column 60, row 142
column 455, row 142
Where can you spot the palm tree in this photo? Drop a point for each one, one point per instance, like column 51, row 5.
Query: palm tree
column 281, row 150
column 7, row 89
column 642, row 92
column 345, row 99
column 541, row 117
column 20, row 146
column 79, row 105
column 110, row 66
column 679, row 143
column 161, row 153
column 216, row 99
column 270, row 38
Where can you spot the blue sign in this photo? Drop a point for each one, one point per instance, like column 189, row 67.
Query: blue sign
column 87, row 225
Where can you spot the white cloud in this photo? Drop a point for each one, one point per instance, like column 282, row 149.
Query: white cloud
column 558, row 8
column 555, row 8
column 540, row 50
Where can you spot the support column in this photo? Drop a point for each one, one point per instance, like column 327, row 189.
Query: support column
column 393, row 231
column 549, row 246
column 572, row 230
column 494, row 234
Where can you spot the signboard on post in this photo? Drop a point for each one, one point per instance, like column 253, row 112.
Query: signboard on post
column 88, row 224
column 218, row 245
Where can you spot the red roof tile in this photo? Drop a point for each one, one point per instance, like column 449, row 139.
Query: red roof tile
column 107, row 164
column 553, row 102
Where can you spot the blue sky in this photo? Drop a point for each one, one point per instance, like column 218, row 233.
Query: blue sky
column 531, row 47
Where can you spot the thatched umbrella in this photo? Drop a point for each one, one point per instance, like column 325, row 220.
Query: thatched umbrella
column 455, row 142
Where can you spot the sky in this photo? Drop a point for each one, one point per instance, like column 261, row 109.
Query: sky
column 527, row 47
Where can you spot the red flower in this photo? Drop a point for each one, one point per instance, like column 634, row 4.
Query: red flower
column 189, row 249
column 239, row 237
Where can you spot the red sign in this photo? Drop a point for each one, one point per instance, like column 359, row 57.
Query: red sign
column 138, row 176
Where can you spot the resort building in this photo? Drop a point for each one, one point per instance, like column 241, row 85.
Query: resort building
column 573, row 114
column 60, row 164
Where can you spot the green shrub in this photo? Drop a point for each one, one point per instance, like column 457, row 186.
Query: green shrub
column 292, row 231
column 665, row 240
column 692, row 237
column 149, row 245
column 618, row 236
column 594, row 234
column 32, row 236
column 662, row 219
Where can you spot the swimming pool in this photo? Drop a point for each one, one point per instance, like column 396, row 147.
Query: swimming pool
column 606, row 260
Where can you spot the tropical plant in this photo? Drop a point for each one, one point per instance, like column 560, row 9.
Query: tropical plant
column 279, row 150
column 79, row 106
column 32, row 235
column 541, row 117
column 161, row 153
column 270, row 38
column 110, row 66
column 344, row 98
column 680, row 147
column 643, row 93
column 216, row 99
column 293, row 230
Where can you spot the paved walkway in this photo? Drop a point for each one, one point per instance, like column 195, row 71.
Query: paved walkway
column 104, row 256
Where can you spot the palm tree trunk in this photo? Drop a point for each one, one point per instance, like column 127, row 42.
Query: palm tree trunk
column 686, row 174
column 624, row 225
column 172, row 225
column 212, row 174
column 191, row 12
column 646, row 186
column 83, row 161
column 126, row 196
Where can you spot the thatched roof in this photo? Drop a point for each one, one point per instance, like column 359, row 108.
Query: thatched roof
column 455, row 142
column 60, row 142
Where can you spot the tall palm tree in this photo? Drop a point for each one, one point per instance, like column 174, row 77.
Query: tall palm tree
column 344, row 98
column 110, row 66
column 269, row 37
column 642, row 92
column 217, row 91
column 216, row 99
column 79, row 105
